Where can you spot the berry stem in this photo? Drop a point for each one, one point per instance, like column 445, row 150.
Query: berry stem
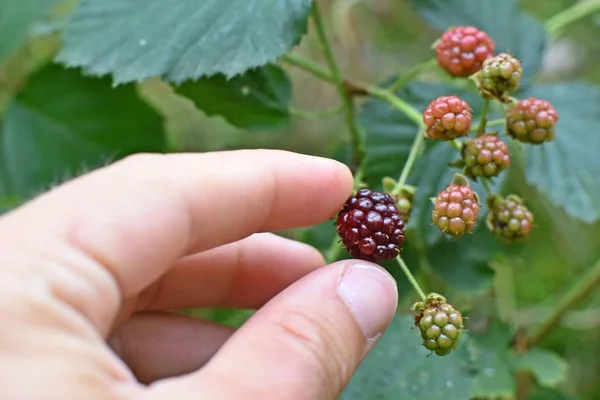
column 483, row 120
column 400, row 104
column 333, row 252
column 309, row 66
column 579, row 10
column 579, row 290
column 410, row 161
column 494, row 122
column 411, row 278
column 314, row 115
column 412, row 73
column 485, row 182
column 347, row 101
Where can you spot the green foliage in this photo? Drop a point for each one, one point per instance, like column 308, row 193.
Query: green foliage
column 64, row 124
column 137, row 39
column 567, row 169
column 398, row 367
column 16, row 22
column 259, row 99
column 549, row 368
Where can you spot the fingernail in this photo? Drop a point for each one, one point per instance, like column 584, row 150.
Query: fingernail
column 371, row 295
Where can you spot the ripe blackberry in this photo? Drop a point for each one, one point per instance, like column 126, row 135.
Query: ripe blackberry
column 456, row 209
column 447, row 118
column 370, row 226
column 485, row 156
column 509, row 218
column 499, row 76
column 532, row 120
column 441, row 325
column 461, row 50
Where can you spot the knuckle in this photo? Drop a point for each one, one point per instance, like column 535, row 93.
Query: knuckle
column 319, row 344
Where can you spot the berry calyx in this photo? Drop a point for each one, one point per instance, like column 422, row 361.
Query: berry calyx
column 370, row 226
column 485, row 156
column 447, row 118
column 499, row 76
column 441, row 325
column 509, row 219
column 456, row 208
column 461, row 50
column 532, row 121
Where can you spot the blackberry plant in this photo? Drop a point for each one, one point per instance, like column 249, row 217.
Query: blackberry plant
column 465, row 163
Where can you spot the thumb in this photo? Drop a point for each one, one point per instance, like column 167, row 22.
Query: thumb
column 304, row 344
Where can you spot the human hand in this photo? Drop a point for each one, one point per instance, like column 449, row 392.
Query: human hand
column 90, row 270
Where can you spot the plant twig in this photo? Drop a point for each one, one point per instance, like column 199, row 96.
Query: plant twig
column 410, row 161
column 411, row 73
column 483, row 120
column 485, row 182
column 569, row 15
column 347, row 102
column 314, row 115
column 411, row 278
column 401, row 105
column 309, row 66
column 579, row 290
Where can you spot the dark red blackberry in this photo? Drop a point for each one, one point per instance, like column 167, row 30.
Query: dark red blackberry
column 370, row 226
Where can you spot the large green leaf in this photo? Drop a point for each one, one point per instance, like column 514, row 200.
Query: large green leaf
column 389, row 138
column 511, row 30
column 398, row 368
column 17, row 19
column 567, row 169
column 181, row 39
column 549, row 368
column 64, row 123
column 259, row 99
column 464, row 263
column 494, row 379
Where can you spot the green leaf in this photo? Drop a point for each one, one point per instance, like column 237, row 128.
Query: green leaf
column 464, row 263
column 63, row 124
column 259, row 99
column 494, row 379
column 181, row 39
column 511, row 30
column 398, row 368
column 17, row 19
column 567, row 169
column 549, row 368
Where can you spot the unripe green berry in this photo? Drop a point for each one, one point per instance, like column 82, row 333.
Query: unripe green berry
column 499, row 76
column 440, row 324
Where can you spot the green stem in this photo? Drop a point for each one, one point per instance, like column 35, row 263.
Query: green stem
column 309, row 66
column 411, row 278
column 410, row 161
column 403, row 106
column 485, row 182
column 347, row 102
column 411, row 73
column 314, row 115
column 585, row 285
column 567, row 16
column 494, row 122
column 483, row 120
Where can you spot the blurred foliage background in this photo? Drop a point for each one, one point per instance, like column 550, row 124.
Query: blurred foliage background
column 373, row 40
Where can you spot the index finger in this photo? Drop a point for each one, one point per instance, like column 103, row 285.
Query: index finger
column 139, row 215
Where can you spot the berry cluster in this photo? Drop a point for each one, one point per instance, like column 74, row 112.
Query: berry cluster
column 371, row 224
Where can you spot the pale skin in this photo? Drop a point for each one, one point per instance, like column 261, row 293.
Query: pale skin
column 91, row 271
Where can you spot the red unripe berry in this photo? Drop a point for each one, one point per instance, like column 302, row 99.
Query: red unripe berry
column 532, row 121
column 447, row 118
column 456, row 210
column 461, row 50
